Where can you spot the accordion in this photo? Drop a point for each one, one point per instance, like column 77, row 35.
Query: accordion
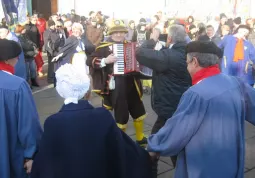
column 126, row 61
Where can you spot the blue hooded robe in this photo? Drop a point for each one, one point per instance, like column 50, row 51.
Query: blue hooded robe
column 207, row 129
column 242, row 68
column 20, row 129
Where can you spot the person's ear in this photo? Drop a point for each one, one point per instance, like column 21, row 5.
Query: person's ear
column 195, row 61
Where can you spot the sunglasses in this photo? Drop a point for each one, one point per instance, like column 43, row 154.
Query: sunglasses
column 59, row 26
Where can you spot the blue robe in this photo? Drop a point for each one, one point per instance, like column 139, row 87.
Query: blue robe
column 207, row 129
column 242, row 68
column 20, row 67
column 20, row 128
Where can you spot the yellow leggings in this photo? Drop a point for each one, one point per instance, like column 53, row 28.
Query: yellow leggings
column 147, row 83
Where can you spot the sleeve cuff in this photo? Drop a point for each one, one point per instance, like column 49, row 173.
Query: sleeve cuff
column 102, row 64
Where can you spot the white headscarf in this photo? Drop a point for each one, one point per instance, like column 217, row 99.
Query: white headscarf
column 72, row 84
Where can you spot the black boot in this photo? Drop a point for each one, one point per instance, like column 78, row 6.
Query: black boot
column 143, row 142
column 34, row 83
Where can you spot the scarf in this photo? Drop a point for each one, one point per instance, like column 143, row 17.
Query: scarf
column 239, row 51
column 205, row 73
column 6, row 67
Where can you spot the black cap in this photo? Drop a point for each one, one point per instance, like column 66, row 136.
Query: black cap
column 243, row 26
column 222, row 15
column 3, row 26
column 204, row 47
column 192, row 27
column 142, row 21
column 51, row 23
column 9, row 49
column 237, row 20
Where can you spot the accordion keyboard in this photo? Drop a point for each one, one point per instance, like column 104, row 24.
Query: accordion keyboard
column 118, row 51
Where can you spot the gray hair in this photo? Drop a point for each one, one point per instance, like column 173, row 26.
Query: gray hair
column 205, row 59
column 77, row 26
column 177, row 33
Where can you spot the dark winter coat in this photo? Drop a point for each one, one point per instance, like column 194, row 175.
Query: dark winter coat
column 170, row 76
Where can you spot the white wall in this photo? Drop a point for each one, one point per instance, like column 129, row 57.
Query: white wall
column 131, row 8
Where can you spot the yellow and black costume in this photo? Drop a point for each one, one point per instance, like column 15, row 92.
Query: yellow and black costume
column 126, row 98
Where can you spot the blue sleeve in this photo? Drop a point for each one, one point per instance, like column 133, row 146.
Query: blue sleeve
column 222, row 43
column 29, row 128
column 188, row 40
column 250, row 104
column 252, row 53
column 179, row 129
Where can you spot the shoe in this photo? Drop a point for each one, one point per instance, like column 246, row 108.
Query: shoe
column 34, row 83
column 142, row 142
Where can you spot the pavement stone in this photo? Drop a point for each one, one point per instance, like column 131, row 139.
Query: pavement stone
column 249, row 131
column 168, row 174
column 250, row 153
column 250, row 174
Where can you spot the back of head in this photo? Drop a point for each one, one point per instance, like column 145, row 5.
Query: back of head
column 72, row 84
column 177, row 34
column 9, row 49
column 207, row 53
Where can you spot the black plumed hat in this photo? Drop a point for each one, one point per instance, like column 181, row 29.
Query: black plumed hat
column 9, row 49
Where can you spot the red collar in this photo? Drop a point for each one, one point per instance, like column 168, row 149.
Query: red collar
column 205, row 73
column 6, row 67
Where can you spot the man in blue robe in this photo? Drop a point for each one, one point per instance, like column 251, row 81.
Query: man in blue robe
column 20, row 67
column 20, row 128
column 207, row 129
column 239, row 55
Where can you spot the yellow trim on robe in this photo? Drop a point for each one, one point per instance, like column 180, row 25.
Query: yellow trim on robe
column 98, row 92
column 141, row 118
column 107, row 107
column 138, row 89
column 104, row 45
column 122, row 126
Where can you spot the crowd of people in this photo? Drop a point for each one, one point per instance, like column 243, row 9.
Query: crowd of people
column 201, row 90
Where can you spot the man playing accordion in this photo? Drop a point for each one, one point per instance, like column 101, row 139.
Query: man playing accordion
column 120, row 93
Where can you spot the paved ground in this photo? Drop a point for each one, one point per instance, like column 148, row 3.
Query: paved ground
column 48, row 102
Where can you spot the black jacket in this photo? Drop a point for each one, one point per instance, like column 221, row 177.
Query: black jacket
column 170, row 76
column 33, row 34
column 216, row 39
column 29, row 48
column 53, row 42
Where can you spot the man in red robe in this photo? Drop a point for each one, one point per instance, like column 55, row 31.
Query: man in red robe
column 41, row 25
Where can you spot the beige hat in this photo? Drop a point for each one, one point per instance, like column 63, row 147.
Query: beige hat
column 117, row 26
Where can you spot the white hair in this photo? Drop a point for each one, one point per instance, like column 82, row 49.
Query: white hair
column 177, row 33
column 68, row 24
column 72, row 84
column 78, row 26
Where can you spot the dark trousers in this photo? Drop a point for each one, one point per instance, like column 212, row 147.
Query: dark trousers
column 125, row 100
column 157, row 126
column 51, row 72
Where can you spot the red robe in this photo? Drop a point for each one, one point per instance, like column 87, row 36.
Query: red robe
column 41, row 25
